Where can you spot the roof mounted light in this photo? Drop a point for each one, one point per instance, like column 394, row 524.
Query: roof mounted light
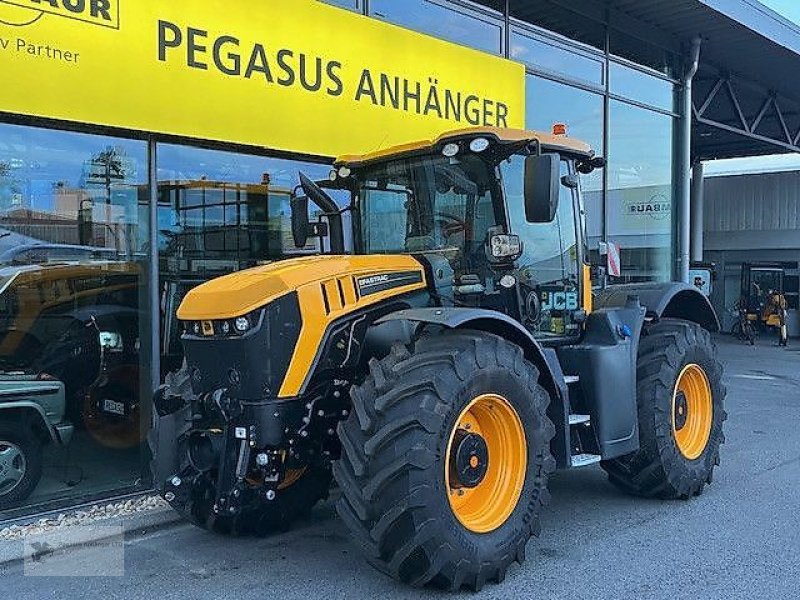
column 479, row 144
column 344, row 171
column 450, row 150
column 332, row 175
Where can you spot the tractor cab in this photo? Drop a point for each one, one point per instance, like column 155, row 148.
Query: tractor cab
column 495, row 215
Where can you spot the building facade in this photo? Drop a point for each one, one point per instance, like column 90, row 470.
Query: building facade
column 752, row 219
column 146, row 148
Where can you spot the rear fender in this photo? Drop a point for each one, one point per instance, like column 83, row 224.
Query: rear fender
column 29, row 415
column 673, row 300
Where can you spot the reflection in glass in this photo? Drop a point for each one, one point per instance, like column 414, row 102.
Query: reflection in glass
column 643, row 52
column 354, row 5
column 73, row 320
column 548, row 266
column 641, row 87
column 640, row 190
column 549, row 102
column 456, row 25
column 552, row 57
column 220, row 212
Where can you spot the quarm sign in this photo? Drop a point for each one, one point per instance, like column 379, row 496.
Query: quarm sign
column 288, row 74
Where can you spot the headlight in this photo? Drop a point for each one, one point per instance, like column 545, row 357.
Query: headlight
column 196, row 328
column 242, row 324
column 226, row 327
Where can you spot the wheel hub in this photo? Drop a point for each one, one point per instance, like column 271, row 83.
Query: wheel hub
column 681, row 411
column 12, row 466
column 469, row 459
column 484, row 493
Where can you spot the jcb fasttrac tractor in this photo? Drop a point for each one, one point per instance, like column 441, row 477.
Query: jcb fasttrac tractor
column 442, row 371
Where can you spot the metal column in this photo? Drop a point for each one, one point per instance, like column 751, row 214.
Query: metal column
column 685, row 166
column 152, row 271
column 697, row 212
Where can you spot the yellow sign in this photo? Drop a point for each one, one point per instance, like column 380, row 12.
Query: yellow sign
column 295, row 75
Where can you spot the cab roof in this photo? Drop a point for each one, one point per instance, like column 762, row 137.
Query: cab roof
column 557, row 143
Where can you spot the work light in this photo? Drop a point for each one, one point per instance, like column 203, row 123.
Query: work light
column 450, row 150
column 479, row 144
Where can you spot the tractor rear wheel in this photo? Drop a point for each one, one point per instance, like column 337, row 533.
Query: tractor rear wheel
column 445, row 460
column 680, row 403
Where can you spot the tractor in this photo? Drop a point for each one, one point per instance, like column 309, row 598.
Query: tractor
column 763, row 298
column 440, row 369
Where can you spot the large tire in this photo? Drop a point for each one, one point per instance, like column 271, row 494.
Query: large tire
column 661, row 468
column 20, row 464
column 396, row 499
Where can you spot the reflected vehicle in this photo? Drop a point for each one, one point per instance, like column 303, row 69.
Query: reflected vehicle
column 77, row 324
column 27, row 254
column 209, row 228
column 32, row 415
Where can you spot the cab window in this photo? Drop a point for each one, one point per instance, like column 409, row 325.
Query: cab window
column 548, row 268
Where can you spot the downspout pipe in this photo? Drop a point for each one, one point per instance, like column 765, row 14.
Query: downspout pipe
column 685, row 165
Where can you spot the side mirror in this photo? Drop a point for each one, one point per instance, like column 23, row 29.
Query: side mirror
column 542, row 180
column 301, row 227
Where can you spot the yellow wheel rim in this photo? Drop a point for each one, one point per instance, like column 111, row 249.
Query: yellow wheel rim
column 487, row 505
column 692, row 411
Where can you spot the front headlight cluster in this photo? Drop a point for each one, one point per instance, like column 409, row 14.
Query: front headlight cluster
column 223, row 327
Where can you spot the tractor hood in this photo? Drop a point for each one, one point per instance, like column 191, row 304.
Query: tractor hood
column 241, row 292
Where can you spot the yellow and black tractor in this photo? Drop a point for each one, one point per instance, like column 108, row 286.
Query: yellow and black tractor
column 441, row 369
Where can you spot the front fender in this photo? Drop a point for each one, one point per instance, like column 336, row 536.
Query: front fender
column 545, row 359
column 674, row 300
column 480, row 319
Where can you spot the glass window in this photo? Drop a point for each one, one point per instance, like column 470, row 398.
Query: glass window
column 551, row 56
column 429, row 204
column 564, row 18
column 354, row 5
column 74, row 324
column 640, row 190
column 548, row 267
column 455, row 24
column 220, row 212
column 641, row 87
column 550, row 102
column 644, row 53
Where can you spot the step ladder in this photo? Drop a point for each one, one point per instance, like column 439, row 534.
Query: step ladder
column 579, row 420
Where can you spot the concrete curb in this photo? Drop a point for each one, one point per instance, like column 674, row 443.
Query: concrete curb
column 90, row 525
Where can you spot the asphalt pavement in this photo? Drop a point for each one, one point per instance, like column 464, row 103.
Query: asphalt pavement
column 740, row 539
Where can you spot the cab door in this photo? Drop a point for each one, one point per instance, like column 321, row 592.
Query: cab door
column 550, row 269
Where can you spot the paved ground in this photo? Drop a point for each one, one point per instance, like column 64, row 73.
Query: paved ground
column 741, row 539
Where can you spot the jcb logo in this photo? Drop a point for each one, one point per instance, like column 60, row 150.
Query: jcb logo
column 559, row 301
column 26, row 12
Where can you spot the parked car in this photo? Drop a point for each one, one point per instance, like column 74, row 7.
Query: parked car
column 32, row 414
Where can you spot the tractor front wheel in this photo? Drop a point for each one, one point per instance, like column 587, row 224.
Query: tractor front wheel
column 445, row 460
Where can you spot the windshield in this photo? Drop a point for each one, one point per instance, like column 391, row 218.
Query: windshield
column 429, row 203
